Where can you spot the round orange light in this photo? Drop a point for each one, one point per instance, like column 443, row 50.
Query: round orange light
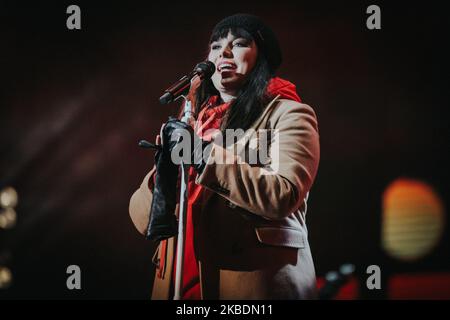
column 413, row 219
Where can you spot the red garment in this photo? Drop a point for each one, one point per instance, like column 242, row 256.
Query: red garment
column 284, row 88
column 211, row 118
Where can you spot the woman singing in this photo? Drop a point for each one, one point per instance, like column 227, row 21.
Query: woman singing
column 246, row 234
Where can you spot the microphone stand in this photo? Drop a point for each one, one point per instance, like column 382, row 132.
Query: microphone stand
column 187, row 117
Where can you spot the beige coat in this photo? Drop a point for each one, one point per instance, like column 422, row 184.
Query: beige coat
column 250, row 235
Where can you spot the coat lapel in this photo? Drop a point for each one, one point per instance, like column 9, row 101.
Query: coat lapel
column 209, row 193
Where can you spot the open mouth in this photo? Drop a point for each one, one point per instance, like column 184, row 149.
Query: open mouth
column 226, row 67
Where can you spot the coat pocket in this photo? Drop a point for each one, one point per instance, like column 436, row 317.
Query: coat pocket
column 281, row 236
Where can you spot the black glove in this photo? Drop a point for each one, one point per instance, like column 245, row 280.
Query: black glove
column 173, row 130
column 163, row 222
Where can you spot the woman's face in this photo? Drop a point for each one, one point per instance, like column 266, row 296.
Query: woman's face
column 234, row 59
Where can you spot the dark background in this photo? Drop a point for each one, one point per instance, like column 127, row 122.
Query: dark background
column 74, row 104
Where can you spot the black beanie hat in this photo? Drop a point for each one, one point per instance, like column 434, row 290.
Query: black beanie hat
column 264, row 37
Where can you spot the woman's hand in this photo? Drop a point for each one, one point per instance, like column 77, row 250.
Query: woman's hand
column 190, row 142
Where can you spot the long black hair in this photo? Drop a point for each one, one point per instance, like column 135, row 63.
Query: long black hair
column 251, row 98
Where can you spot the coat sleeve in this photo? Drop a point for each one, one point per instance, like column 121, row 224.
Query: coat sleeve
column 139, row 207
column 276, row 190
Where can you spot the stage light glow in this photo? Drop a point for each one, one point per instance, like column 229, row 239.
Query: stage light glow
column 413, row 219
column 7, row 218
column 5, row 277
column 8, row 197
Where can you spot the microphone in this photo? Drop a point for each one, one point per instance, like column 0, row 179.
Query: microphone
column 204, row 70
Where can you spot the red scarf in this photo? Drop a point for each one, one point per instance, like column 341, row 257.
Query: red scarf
column 210, row 117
